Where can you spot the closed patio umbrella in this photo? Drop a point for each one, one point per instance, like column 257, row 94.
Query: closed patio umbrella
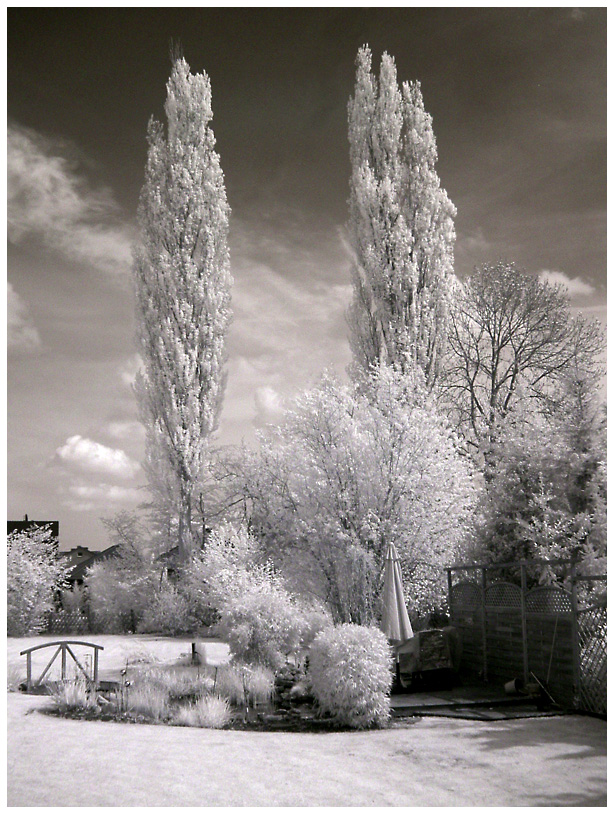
column 395, row 621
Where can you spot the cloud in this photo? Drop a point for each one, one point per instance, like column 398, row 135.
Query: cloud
column 290, row 298
column 269, row 405
column 87, row 498
column 50, row 199
column 576, row 286
column 22, row 335
column 472, row 242
column 274, row 313
column 85, row 455
column 129, row 369
column 125, row 429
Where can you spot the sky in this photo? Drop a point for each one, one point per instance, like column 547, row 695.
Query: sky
column 518, row 99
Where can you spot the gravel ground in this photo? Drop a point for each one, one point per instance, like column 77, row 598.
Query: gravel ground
column 423, row 762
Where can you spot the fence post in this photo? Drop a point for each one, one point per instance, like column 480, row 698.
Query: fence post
column 523, row 619
column 575, row 637
column 484, row 647
column 63, row 662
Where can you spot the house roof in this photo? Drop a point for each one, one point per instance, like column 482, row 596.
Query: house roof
column 78, row 570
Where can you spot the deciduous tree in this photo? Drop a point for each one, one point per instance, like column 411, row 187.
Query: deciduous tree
column 512, row 339
column 34, row 572
column 121, row 587
column 350, row 469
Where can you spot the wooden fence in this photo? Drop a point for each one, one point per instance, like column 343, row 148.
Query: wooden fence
column 509, row 631
column 64, row 621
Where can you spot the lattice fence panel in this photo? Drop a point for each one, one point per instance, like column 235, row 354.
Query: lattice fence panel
column 592, row 629
column 466, row 595
column 503, row 595
column 68, row 622
column 548, row 600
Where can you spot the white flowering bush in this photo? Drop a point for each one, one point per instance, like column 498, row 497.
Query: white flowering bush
column 350, row 675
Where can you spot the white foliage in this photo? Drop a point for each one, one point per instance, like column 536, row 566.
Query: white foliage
column 182, row 287
column 401, row 224
column 33, row 573
column 350, row 675
column 351, row 469
column 122, row 587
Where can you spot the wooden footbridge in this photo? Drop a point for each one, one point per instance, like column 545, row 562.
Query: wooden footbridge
column 64, row 648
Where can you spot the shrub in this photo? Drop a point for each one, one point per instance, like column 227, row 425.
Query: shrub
column 73, row 695
column 229, row 565
column 263, row 625
column 314, row 621
column 120, row 590
column 350, row 675
column 169, row 613
column 210, row 712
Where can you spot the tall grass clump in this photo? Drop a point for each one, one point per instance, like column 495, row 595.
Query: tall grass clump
column 14, row 677
column 177, row 682
column 209, row 712
column 149, row 696
column 229, row 683
column 350, row 675
column 74, row 694
column 259, row 684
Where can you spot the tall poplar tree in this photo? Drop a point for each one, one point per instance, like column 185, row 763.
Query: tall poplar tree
column 401, row 224
column 182, row 290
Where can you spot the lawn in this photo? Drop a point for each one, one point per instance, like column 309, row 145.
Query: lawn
column 423, row 762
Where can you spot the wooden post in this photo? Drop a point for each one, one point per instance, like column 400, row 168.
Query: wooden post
column 29, row 671
column 63, row 662
column 523, row 620
column 575, row 637
column 95, row 668
column 484, row 644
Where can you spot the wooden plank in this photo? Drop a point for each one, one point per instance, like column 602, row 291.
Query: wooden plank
column 48, row 667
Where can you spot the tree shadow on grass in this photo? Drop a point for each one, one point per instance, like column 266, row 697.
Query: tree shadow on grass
column 585, row 736
column 594, row 795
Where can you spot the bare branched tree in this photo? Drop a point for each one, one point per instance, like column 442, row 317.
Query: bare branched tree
column 512, row 337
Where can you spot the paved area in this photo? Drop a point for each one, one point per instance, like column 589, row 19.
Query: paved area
column 476, row 702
